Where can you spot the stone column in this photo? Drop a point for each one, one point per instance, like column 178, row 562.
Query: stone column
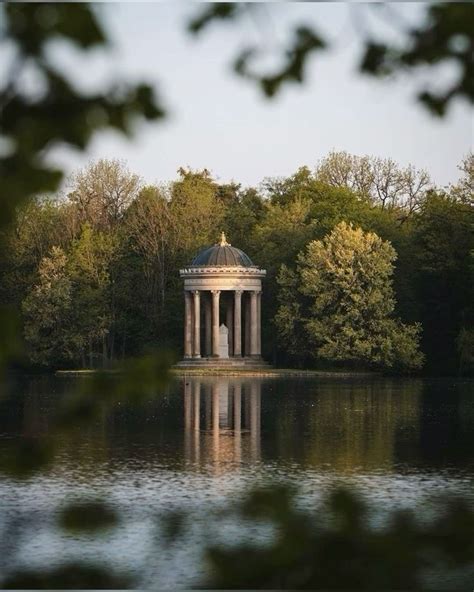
column 208, row 324
column 253, row 323
column 247, row 324
column 215, row 322
column 238, row 323
column 259, row 324
column 197, row 324
column 230, row 325
column 188, row 334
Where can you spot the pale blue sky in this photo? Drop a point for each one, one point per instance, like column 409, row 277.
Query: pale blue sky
column 220, row 121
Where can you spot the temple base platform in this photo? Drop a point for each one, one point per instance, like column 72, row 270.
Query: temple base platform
column 254, row 363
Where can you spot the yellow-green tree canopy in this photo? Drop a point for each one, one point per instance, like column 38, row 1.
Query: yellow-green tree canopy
column 340, row 300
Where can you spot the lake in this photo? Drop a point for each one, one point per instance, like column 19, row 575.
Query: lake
column 203, row 442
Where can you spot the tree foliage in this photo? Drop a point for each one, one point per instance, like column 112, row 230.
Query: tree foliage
column 346, row 279
column 77, row 269
column 48, row 310
column 442, row 250
column 71, row 309
column 58, row 114
column 124, row 243
column 443, row 35
column 337, row 547
column 195, row 203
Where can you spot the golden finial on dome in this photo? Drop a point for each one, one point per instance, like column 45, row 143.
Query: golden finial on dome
column 224, row 242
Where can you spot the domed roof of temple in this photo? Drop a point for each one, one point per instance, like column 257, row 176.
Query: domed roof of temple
column 222, row 254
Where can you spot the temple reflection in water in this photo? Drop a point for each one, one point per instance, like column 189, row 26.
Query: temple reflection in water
column 222, row 419
column 229, row 424
column 341, row 425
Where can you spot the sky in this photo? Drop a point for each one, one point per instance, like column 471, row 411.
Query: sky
column 219, row 121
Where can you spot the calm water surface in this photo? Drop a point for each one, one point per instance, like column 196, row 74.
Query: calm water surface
column 203, row 442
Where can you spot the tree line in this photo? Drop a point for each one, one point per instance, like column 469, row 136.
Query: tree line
column 94, row 269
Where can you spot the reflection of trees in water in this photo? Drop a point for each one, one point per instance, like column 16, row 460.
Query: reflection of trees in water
column 28, row 413
column 350, row 425
column 345, row 423
column 222, row 418
column 121, row 434
column 337, row 424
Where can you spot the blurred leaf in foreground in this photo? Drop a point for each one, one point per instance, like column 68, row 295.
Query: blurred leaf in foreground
column 87, row 516
column 25, row 458
column 336, row 547
column 133, row 382
column 57, row 114
column 443, row 35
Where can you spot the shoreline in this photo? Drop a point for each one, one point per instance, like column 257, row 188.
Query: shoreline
column 264, row 373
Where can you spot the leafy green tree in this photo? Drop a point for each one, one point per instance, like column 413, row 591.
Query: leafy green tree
column 289, row 318
column 346, row 280
column 301, row 208
column 60, row 115
column 283, row 231
column 49, row 313
column 70, row 313
column 39, row 225
column 329, row 202
column 91, row 272
column 241, row 217
column 138, row 302
column 195, row 205
column 152, row 235
column 442, row 246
